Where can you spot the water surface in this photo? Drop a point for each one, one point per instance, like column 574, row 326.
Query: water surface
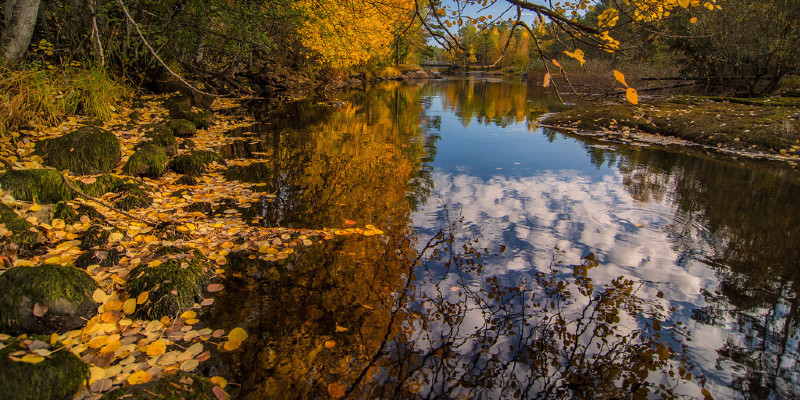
column 518, row 262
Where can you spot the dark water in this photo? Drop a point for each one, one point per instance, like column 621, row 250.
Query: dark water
column 517, row 262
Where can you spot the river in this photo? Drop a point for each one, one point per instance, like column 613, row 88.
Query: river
column 516, row 261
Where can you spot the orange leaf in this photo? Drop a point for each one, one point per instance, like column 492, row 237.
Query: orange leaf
column 632, row 96
column 620, row 77
column 546, row 80
column 139, row 377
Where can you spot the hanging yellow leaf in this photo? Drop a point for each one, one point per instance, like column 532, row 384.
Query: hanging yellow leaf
column 577, row 54
column 556, row 63
column 546, row 82
column 620, row 77
column 632, row 96
column 139, row 377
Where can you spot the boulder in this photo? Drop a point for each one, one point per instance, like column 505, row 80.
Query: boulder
column 173, row 285
column 44, row 186
column 22, row 234
column 72, row 213
column 150, row 161
column 194, row 163
column 86, row 151
column 59, row 376
column 182, row 127
column 45, row 299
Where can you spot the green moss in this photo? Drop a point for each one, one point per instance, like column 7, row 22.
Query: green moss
column 22, row 235
column 95, row 236
column 162, row 136
column 150, row 160
column 44, row 186
column 178, row 106
column 201, row 119
column 101, row 257
column 172, row 288
column 57, row 377
column 186, row 180
column 188, row 144
column 254, row 173
column 132, row 194
column 48, row 284
column 70, row 215
column 85, row 151
column 182, row 127
column 179, row 386
column 195, row 162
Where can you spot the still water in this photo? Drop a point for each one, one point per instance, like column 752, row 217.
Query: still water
column 517, row 262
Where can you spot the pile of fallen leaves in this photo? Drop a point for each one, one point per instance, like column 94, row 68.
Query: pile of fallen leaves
column 120, row 349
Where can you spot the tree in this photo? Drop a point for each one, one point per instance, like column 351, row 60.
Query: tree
column 20, row 19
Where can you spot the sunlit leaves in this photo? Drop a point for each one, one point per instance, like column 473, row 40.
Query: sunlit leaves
column 632, row 96
column 139, row 377
column 577, row 54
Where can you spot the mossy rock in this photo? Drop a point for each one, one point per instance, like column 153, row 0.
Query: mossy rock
column 20, row 228
column 95, row 236
column 195, row 162
column 58, row 377
column 253, row 173
column 133, row 195
column 178, row 386
column 178, row 106
column 44, row 186
column 84, row 151
column 162, row 136
column 201, row 119
column 72, row 214
column 188, row 144
column 173, row 288
column 182, row 127
column 150, row 161
column 186, row 180
column 203, row 207
column 66, row 292
column 101, row 257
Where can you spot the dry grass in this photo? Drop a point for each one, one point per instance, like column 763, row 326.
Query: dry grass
column 39, row 97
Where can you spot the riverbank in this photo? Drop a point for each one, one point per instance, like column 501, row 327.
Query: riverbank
column 764, row 128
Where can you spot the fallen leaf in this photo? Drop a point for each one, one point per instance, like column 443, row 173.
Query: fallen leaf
column 39, row 309
column 99, row 296
column 32, row 358
column 139, row 377
column 189, row 365
column 329, row 344
column 156, row 348
column 231, row 345
column 219, row 393
column 219, row 381
column 129, row 307
column 237, row 334
column 142, row 298
column 214, row 287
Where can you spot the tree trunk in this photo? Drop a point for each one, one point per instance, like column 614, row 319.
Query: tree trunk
column 20, row 20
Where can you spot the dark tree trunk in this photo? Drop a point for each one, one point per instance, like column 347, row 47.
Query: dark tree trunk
column 20, row 18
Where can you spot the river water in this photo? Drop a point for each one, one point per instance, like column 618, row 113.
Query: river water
column 517, row 262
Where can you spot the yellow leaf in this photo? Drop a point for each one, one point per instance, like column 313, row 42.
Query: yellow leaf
column 142, row 297
column 329, row 344
column 684, row 3
column 115, row 237
column 156, row 348
column 114, row 305
column 693, row 20
column 237, row 334
column 341, row 329
column 620, row 77
column 219, row 381
column 32, row 358
column 154, row 263
column 632, row 96
column 556, row 63
column 58, row 223
column 35, row 207
column 189, row 365
column 139, row 377
column 96, row 373
column 99, row 295
column 577, row 54
column 130, row 306
column 546, row 82
column 189, row 315
column 231, row 345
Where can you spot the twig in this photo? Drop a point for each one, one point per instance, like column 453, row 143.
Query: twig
column 153, row 52
column 86, row 196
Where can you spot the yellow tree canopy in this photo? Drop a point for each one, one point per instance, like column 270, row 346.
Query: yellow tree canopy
column 351, row 32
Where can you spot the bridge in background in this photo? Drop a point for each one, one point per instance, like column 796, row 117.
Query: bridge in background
column 437, row 64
